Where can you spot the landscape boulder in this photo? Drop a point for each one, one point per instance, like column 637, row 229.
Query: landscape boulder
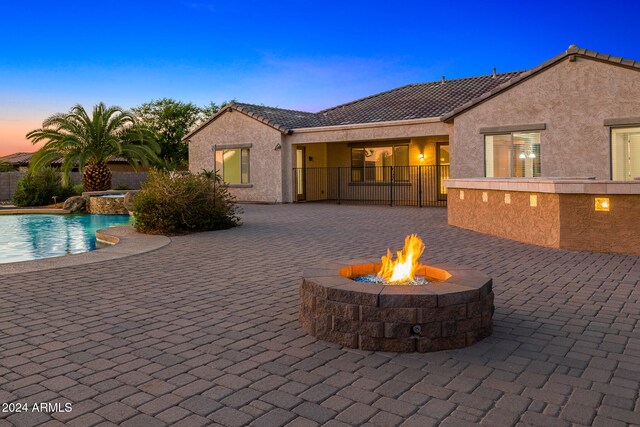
column 75, row 204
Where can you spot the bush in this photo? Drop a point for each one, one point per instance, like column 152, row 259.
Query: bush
column 37, row 188
column 76, row 188
column 6, row 166
column 175, row 203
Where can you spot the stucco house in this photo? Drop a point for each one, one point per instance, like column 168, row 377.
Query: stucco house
column 575, row 115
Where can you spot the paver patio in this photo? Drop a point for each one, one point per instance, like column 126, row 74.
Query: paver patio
column 204, row 332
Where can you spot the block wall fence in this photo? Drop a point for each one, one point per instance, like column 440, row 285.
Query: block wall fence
column 9, row 181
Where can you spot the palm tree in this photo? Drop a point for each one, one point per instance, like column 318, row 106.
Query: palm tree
column 89, row 142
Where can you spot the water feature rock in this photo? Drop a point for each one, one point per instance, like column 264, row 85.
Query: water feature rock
column 75, row 204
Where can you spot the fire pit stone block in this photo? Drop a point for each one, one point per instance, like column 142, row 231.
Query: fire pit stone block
column 453, row 311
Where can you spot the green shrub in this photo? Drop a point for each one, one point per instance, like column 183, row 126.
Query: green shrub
column 6, row 166
column 181, row 202
column 76, row 188
column 37, row 188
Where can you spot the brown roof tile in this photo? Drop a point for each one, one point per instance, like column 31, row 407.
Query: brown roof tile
column 23, row 159
column 414, row 101
column 439, row 99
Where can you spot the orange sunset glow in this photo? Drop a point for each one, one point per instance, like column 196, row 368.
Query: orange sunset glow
column 12, row 135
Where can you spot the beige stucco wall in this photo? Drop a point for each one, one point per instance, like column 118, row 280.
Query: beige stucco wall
column 368, row 132
column 573, row 99
column 265, row 163
column 566, row 221
column 338, row 154
column 316, row 155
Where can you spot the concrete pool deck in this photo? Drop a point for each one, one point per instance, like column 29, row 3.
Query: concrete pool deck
column 204, row 331
column 123, row 241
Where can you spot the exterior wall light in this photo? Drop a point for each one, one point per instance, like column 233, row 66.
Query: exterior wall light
column 278, row 147
column 533, row 200
column 421, row 157
column 602, row 204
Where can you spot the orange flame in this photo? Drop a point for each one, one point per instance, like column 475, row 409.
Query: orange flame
column 403, row 269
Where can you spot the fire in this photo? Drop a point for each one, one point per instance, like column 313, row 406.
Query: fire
column 403, row 269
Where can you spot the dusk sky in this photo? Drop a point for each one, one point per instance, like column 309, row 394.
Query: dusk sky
column 291, row 54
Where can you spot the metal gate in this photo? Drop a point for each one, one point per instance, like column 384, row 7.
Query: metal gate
column 385, row 185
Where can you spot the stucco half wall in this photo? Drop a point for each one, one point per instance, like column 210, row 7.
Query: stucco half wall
column 572, row 98
column 265, row 162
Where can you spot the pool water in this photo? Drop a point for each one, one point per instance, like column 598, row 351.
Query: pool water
column 33, row 236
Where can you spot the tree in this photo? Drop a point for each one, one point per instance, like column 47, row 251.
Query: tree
column 89, row 142
column 172, row 120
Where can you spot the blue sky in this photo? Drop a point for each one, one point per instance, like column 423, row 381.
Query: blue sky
column 293, row 54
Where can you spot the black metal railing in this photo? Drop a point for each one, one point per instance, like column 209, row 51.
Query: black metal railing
column 390, row 185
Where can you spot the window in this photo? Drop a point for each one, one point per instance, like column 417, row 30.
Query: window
column 513, row 155
column 374, row 164
column 625, row 154
column 233, row 165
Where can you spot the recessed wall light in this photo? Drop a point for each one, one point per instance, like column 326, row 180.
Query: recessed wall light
column 602, row 204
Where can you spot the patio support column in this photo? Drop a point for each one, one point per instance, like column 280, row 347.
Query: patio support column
column 287, row 170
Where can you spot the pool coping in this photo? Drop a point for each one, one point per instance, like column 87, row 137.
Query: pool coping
column 14, row 211
column 123, row 242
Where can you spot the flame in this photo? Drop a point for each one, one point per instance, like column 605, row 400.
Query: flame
column 403, row 269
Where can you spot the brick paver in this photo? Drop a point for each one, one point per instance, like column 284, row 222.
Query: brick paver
column 204, row 331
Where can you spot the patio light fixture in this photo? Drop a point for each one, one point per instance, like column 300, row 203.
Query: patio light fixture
column 421, row 157
column 531, row 155
column 602, row 204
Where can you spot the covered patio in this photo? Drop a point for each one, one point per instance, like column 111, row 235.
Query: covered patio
column 402, row 171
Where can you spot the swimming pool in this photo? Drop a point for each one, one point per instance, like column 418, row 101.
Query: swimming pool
column 33, row 236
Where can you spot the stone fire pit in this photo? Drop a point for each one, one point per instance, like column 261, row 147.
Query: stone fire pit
column 453, row 311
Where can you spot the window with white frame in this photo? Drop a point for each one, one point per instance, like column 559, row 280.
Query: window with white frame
column 515, row 154
column 233, row 165
column 625, row 154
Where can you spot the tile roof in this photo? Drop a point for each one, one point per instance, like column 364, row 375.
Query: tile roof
column 23, row 159
column 17, row 159
column 414, row 101
column 440, row 99
column 279, row 118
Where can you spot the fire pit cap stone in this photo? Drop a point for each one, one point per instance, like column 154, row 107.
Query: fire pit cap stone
column 320, row 272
